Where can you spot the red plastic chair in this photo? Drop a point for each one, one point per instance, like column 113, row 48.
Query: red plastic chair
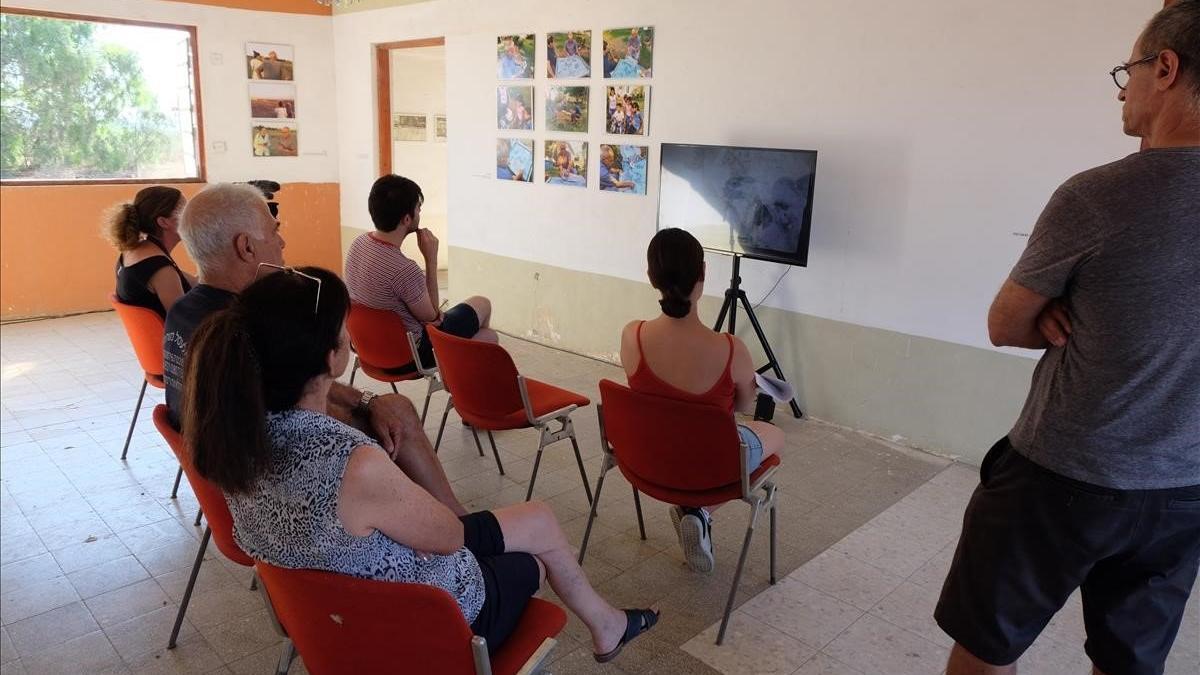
column 375, row 335
column 684, row 453
column 145, row 330
column 219, row 527
column 488, row 394
column 343, row 624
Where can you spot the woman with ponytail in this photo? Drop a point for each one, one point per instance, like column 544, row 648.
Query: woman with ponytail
column 145, row 231
column 309, row 492
column 675, row 355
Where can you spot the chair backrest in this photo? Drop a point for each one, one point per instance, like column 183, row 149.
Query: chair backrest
column 379, row 337
column 145, row 330
column 481, row 376
column 212, row 500
column 343, row 624
column 671, row 443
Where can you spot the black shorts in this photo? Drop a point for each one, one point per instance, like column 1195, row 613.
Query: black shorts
column 1031, row 537
column 460, row 320
column 509, row 579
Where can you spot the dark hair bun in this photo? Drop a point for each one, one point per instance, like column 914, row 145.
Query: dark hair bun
column 676, row 308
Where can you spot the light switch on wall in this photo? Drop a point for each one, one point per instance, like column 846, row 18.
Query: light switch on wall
column 218, row 147
column 216, row 58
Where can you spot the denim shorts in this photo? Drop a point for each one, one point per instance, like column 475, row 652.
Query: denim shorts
column 754, row 447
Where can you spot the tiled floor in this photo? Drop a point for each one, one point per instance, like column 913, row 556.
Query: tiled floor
column 95, row 554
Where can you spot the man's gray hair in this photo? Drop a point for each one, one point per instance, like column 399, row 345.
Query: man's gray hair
column 1177, row 28
column 215, row 217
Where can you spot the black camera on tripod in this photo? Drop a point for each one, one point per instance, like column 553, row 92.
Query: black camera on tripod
column 268, row 188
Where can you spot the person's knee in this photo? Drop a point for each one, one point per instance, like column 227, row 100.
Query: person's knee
column 543, row 521
column 482, row 307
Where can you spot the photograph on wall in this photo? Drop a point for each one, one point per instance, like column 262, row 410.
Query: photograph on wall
column 274, row 140
column 566, row 163
column 409, row 127
column 514, row 57
column 623, row 168
column 567, row 109
column 273, row 100
column 514, row 108
column 439, row 127
column 514, row 159
column 569, row 55
column 627, row 109
column 628, row 52
column 266, row 61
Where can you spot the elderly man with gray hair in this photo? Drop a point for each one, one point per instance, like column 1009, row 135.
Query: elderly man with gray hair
column 229, row 231
column 1097, row 485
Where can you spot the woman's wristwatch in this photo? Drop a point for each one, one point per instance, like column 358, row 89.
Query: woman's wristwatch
column 364, row 403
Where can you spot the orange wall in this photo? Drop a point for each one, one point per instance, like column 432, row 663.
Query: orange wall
column 287, row 6
column 54, row 261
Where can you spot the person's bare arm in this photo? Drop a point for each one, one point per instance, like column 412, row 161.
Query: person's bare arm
column 630, row 356
column 384, row 414
column 165, row 284
column 1020, row 317
column 376, row 495
column 428, row 245
column 746, row 390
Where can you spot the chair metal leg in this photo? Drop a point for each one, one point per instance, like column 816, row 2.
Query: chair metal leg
column 425, row 408
column 133, row 422
column 175, row 487
column 587, row 532
column 286, row 655
column 533, row 476
column 637, row 504
column 773, row 537
column 479, row 652
column 496, row 453
column 187, row 593
column 199, row 515
column 395, row 390
column 354, row 371
column 587, row 489
column 737, row 575
column 442, row 427
column 475, row 433
column 254, row 581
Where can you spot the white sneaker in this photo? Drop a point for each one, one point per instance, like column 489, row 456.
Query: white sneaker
column 695, row 536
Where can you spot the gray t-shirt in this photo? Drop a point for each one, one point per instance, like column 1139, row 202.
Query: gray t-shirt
column 1119, row 405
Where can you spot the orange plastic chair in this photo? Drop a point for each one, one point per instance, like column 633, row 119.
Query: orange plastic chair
column 219, row 527
column 343, row 624
column 379, row 351
column 684, row 453
column 145, row 330
column 489, row 394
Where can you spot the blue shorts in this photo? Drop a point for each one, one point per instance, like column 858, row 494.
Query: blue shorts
column 754, row 454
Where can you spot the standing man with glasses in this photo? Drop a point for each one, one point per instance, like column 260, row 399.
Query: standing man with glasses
column 233, row 235
column 1097, row 486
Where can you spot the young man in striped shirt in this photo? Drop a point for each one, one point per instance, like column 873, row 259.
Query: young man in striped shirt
column 379, row 275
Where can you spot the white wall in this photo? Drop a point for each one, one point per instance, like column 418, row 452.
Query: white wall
column 942, row 125
column 418, row 85
column 221, row 37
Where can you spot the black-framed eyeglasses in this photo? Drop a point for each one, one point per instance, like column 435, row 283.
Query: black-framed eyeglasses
column 1120, row 74
column 293, row 270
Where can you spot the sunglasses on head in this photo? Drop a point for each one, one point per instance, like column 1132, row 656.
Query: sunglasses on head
column 292, row 270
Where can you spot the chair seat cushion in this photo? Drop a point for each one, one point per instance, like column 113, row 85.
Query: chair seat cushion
column 541, row 620
column 382, row 375
column 543, row 398
column 696, row 498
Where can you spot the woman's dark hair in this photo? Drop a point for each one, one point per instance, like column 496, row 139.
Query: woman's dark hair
column 393, row 197
column 675, row 262
column 256, row 357
column 129, row 221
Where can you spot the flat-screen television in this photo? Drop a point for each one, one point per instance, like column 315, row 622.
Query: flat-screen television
column 755, row 202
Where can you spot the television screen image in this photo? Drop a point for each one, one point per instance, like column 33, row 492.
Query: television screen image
column 755, row 202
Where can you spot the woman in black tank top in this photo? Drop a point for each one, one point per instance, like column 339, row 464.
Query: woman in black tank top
column 145, row 231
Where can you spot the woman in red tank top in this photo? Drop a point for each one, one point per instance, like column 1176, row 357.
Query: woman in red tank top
column 676, row 356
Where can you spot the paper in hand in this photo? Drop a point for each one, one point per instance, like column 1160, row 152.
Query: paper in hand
column 777, row 389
